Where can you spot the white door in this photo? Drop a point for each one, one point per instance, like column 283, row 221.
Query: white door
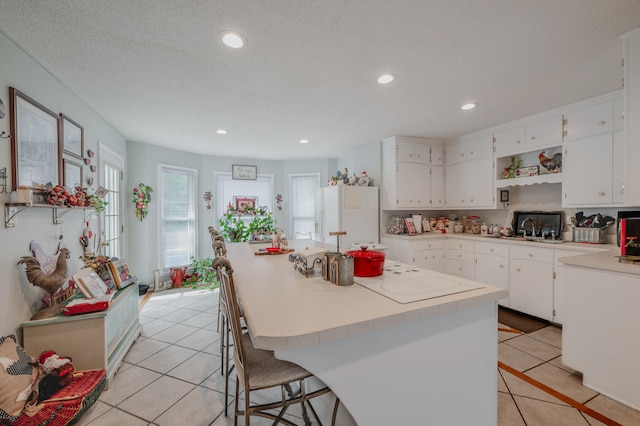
column 111, row 223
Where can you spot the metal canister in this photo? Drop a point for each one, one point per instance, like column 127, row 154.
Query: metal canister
column 343, row 273
column 326, row 264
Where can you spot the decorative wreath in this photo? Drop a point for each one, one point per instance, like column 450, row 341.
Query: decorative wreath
column 141, row 199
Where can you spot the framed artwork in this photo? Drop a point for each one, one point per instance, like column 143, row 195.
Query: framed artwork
column 101, row 191
column 245, row 204
column 71, row 137
column 90, row 283
column 244, row 172
column 120, row 273
column 71, row 173
column 34, row 142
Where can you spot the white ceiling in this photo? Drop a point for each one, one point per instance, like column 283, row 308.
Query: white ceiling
column 156, row 71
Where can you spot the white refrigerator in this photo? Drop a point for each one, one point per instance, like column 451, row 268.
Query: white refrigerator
column 353, row 209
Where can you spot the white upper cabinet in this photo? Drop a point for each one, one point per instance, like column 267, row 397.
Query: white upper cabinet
column 408, row 179
column 541, row 133
column 588, row 121
column 437, row 155
column 544, row 133
column 588, row 171
column 509, row 140
column 631, row 144
column 593, row 156
column 469, row 173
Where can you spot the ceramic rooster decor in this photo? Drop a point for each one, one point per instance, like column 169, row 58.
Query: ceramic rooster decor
column 552, row 164
column 48, row 282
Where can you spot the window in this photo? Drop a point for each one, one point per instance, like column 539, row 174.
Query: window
column 178, row 221
column 111, row 241
column 302, row 205
column 228, row 188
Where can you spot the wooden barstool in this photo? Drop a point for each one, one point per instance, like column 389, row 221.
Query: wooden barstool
column 259, row 369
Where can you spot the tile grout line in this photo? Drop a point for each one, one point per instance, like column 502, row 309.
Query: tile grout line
column 572, row 402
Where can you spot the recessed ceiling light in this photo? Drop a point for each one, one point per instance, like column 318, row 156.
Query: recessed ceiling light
column 386, row 78
column 468, row 106
column 221, row 131
column 232, row 39
column 304, row 140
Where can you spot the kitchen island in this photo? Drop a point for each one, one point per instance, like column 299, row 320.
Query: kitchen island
column 600, row 333
column 430, row 361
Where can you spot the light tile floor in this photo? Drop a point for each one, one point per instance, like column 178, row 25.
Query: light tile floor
column 171, row 375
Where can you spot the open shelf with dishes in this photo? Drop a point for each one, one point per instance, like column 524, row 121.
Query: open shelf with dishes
column 529, row 168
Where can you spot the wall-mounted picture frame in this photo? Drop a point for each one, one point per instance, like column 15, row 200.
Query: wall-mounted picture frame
column 35, row 146
column 243, row 172
column 71, row 173
column 71, row 137
column 245, row 204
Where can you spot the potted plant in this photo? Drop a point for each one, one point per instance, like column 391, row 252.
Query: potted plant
column 233, row 229
column 202, row 274
column 262, row 226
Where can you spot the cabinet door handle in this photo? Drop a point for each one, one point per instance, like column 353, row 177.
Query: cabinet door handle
column 530, row 254
column 491, row 250
column 518, row 141
column 470, row 152
column 517, row 269
column 501, row 266
column 601, row 193
column 602, row 122
column 533, row 138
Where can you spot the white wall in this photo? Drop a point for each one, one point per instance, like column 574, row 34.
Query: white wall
column 19, row 300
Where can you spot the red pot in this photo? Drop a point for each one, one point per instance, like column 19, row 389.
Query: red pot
column 367, row 263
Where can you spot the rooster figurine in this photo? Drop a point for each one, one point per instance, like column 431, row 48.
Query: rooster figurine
column 49, row 283
column 552, row 164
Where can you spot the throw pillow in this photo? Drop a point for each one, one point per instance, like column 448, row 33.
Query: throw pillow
column 16, row 378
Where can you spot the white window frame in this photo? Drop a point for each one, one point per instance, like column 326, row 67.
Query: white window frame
column 107, row 155
column 193, row 212
column 292, row 176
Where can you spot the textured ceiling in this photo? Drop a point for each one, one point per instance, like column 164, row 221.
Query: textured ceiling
column 156, row 71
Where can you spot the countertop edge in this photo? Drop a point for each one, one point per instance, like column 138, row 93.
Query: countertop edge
column 424, row 309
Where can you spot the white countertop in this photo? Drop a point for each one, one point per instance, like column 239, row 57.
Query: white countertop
column 606, row 261
column 567, row 245
column 285, row 310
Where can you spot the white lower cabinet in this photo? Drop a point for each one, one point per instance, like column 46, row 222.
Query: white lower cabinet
column 535, row 277
column 460, row 258
column 430, row 257
column 559, row 284
column 531, row 281
column 427, row 252
column 492, row 266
